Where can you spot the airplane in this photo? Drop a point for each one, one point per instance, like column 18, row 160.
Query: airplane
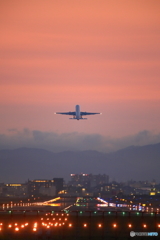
column 77, row 114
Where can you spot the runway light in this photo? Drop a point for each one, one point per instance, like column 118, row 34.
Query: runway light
column 70, row 225
column 159, row 225
column 16, row 229
column 34, row 229
column 9, row 225
column 114, row 225
column 22, row 226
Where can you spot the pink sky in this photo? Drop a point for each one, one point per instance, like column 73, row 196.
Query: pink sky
column 101, row 54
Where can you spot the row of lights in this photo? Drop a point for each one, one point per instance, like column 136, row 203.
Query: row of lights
column 110, row 212
column 115, row 225
column 15, row 226
column 48, row 225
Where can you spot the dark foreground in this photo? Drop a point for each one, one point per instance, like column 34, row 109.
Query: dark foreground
column 78, row 225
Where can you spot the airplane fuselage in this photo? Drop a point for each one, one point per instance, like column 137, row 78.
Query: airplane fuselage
column 78, row 113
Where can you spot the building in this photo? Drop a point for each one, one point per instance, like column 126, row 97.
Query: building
column 88, row 180
column 39, row 187
column 15, row 190
column 58, row 183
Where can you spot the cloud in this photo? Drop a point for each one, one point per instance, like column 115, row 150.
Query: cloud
column 73, row 141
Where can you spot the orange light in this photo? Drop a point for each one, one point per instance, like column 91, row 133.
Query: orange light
column 60, row 224
column 22, row 226
column 85, row 225
column 0, row 229
column 34, row 229
column 99, row 225
column 9, row 225
column 114, row 225
column 16, row 224
column 129, row 225
column 159, row 225
column 65, row 219
column 70, row 225
column 16, row 229
column 144, row 225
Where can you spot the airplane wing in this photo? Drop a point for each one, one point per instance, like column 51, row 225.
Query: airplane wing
column 88, row 113
column 67, row 113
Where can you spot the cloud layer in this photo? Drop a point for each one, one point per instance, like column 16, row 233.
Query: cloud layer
column 73, row 141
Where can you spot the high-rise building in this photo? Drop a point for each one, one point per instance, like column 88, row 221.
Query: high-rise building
column 58, row 183
column 88, row 180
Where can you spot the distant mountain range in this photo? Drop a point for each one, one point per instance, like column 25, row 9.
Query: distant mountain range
column 135, row 162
